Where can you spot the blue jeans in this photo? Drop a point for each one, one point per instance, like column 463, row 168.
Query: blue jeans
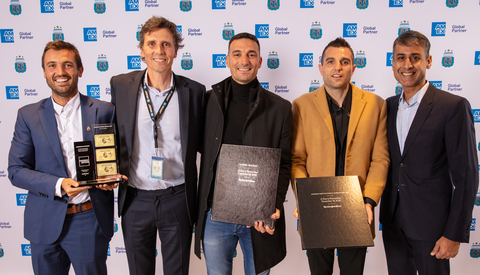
column 219, row 242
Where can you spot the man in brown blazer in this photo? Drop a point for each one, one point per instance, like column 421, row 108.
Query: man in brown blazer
column 340, row 130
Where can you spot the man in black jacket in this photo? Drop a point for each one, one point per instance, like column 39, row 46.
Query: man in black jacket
column 239, row 111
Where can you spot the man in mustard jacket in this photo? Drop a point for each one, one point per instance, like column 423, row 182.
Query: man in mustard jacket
column 340, row 130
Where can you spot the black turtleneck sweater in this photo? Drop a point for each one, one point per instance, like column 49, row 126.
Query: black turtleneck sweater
column 237, row 111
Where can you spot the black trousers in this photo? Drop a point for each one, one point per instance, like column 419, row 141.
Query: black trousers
column 350, row 260
column 149, row 212
column 406, row 256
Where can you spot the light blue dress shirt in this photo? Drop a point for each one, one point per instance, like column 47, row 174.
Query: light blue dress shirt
column 168, row 141
column 406, row 113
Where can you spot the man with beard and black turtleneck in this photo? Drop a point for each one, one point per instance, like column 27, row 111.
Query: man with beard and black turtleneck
column 239, row 111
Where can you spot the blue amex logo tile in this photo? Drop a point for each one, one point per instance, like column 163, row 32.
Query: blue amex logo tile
column 350, row 30
column 219, row 61
column 262, row 30
column 134, row 62
column 306, row 60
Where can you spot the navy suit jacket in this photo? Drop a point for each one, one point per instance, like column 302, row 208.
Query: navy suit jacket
column 36, row 162
column 437, row 174
column 124, row 91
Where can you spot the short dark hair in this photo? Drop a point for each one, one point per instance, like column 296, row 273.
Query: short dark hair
column 339, row 42
column 243, row 35
column 413, row 37
column 62, row 45
column 158, row 22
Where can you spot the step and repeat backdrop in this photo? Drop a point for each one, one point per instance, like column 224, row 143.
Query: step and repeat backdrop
column 292, row 35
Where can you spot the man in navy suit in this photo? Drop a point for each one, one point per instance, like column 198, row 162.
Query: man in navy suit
column 160, row 118
column 426, row 208
column 64, row 223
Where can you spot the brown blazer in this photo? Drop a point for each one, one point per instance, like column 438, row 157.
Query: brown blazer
column 313, row 147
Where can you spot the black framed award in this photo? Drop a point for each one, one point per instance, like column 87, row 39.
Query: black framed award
column 97, row 163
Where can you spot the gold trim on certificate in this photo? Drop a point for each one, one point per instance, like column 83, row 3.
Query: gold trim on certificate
column 106, row 154
column 104, row 140
column 106, row 169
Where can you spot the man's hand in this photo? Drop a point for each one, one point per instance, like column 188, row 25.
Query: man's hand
column 261, row 229
column 109, row 187
column 71, row 187
column 295, row 213
column 445, row 248
column 369, row 209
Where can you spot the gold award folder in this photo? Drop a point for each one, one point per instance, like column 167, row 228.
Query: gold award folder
column 332, row 213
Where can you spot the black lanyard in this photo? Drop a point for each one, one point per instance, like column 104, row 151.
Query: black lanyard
column 154, row 117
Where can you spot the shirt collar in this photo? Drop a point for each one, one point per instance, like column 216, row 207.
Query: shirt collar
column 72, row 104
column 154, row 90
column 417, row 98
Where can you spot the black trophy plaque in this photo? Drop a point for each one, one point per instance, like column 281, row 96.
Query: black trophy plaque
column 246, row 184
column 332, row 213
column 103, row 157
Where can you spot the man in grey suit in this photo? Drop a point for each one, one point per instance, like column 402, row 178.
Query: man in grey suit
column 59, row 221
column 159, row 118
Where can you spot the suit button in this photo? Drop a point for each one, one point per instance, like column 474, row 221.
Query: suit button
column 401, row 164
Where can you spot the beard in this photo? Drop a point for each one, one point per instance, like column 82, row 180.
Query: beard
column 65, row 91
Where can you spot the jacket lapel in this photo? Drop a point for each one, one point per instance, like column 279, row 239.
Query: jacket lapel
column 183, row 93
column 131, row 91
column 420, row 117
column 321, row 103
column 392, row 127
column 89, row 117
column 49, row 124
column 358, row 104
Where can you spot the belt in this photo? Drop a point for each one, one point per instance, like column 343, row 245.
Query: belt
column 78, row 208
column 135, row 192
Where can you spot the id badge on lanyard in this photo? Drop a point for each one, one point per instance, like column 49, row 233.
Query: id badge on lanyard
column 157, row 164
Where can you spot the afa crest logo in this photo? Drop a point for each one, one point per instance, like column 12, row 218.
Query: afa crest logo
column 58, row 34
column 315, row 84
column 20, row 65
column 273, row 4
column 360, row 60
column 187, row 61
column 15, row 7
column 228, row 31
column 1, row 251
column 185, row 6
column 316, row 30
column 137, row 35
column 273, row 62
column 452, row 3
column 404, row 27
column 102, row 63
column 99, row 6
column 115, row 226
column 362, row 4
column 475, row 251
column 447, row 59
column 398, row 89
column 477, row 198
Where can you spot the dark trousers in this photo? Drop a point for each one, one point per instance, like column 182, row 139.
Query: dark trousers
column 350, row 260
column 149, row 212
column 406, row 256
column 81, row 243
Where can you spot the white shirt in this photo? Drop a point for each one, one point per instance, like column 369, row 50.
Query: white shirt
column 406, row 113
column 69, row 127
column 168, row 142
